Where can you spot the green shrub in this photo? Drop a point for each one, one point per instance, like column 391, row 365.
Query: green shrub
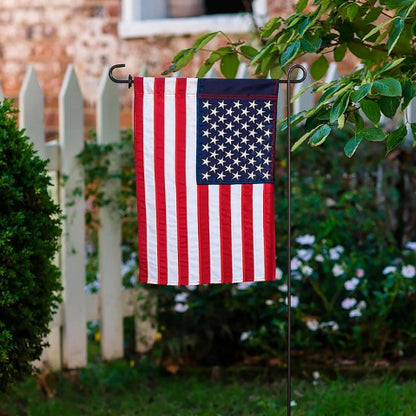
column 29, row 236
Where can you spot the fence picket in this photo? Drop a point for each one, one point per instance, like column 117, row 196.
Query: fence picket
column 307, row 100
column 31, row 109
column 109, row 236
column 73, row 245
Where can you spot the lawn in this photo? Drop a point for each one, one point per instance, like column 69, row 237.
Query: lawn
column 118, row 389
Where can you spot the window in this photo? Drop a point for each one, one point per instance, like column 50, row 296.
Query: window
column 161, row 17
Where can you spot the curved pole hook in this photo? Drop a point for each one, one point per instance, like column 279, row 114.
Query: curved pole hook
column 128, row 81
column 296, row 80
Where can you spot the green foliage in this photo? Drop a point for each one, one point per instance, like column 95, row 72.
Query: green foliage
column 381, row 34
column 29, row 237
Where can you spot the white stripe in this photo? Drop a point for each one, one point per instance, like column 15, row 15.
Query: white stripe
column 214, row 233
column 170, row 183
column 191, row 186
column 237, row 245
column 258, row 234
column 149, row 179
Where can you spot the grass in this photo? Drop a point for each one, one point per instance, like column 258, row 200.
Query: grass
column 117, row 389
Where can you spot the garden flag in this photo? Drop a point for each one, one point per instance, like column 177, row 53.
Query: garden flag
column 204, row 169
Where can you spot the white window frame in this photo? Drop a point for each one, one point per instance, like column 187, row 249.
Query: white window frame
column 141, row 18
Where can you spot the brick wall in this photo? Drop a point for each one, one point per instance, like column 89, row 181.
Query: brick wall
column 50, row 34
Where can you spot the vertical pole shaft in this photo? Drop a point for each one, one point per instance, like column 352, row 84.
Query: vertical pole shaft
column 289, row 239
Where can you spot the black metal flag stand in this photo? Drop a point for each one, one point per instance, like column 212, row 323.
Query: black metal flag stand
column 288, row 83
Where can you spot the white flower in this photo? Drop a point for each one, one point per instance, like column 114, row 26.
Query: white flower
column 306, row 239
column 269, row 302
column 362, row 305
column 355, row 313
column 244, row 285
column 331, row 324
column 244, row 336
column 316, row 375
column 334, row 253
column 352, row 283
column 181, row 307
column 389, row 269
column 409, row 271
column 294, row 301
column 279, row 274
column 282, row 288
column 307, row 270
column 411, row 245
column 360, row 273
column 296, row 275
column 312, row 324
column 337, row 270
column 293, row 403
column 319, row 258
column 304, row 254
column 295, row 263
column 191, row 287
column 181, row 297
column 348, row 303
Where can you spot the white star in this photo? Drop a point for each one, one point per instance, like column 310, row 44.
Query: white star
column 268, row 104
column 214, row 111
column 259, row 168
column 244, row 168
column 221, row 104
column 230, row 126
column 251, row 161
column 244, row 140
column 252, row 104
column 266, row 175
column 267, row 147
column 221, row 176
column 214, row 154
column 237, row 133
column 237, row 147
column 221, row 161
column 236, row 176
column 244, row 154
column 214, row 140
column 214, row 126
column 221, row 119
column 252, row 147
column 221, row 147
column 229, row 154
column 252, row 119
column 244, row 126
column 206, row 104
column 213, row 168
column 252, row 133
column 267, row 133
column 205, row 133
column 229, row 140
column 205, row 161
column 205, row 176
column 259, row 154
column 244, row 111
column 206, row 119
column 251, row 175
column 260, row 126
column 229, row 111
column 260, row 139
column 237, row 118
column 229, row 169
column 268, row 119
column 260, row 111
column 237, row 161
column 221, row 133
column 237, row 104
column 267, row 161
column 206, row 147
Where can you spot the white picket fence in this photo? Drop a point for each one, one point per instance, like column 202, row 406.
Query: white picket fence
column 68, row 337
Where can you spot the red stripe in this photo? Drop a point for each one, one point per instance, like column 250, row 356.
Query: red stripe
column 159, row 155
column 225, row 234
column 247, row 232
column 180, row 168
column 269, row 232
column 140, row 188
column 203, row 235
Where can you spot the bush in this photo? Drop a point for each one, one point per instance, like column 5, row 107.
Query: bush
column 29, row 236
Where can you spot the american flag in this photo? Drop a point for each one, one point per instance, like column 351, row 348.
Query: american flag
column 204, row 168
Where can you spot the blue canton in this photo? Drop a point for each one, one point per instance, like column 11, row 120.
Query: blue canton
column 235, row 141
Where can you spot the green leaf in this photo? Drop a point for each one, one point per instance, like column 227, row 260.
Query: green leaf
column 352, row 10
column 414, row 28
column 311, row 42
column 261, row 53
column 248, row 51
column 319, row 67
column 290, row 53
column 362, row 92
column 184, row 58
column 394, row 37
column 395, row 138
column 203, row 40
column 340, row 105
column 339, row 53
column 352, row 145
column 272, row 25
column 390, row 65
column 389, row 105
column 320, row 135
column 214, row 57
column 300, row 7
column 409, row 92
column 395, row 4
column 378, row 28
column 359, row 50
column 229, row 65
column 413, row 128
column 388, row 86
column 371, row 109
column 373, row 134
